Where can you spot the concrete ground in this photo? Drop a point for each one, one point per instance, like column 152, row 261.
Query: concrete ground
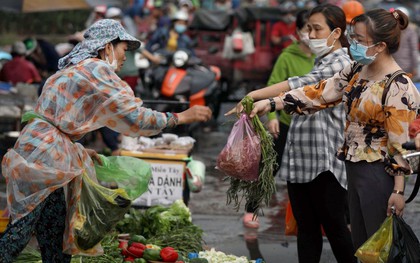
column 222, row 224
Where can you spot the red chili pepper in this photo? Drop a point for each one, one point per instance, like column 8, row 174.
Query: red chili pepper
column 168, row 254
column 123, row 245
column 130, row 259
column 136, row 251
column 139, row 245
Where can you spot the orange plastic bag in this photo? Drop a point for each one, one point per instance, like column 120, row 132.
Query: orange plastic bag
column 291, row 228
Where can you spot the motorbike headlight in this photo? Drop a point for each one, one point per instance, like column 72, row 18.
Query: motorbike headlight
column 180, row 58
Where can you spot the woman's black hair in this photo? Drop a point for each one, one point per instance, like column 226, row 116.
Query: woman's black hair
column 335, row 18
column 384, row 26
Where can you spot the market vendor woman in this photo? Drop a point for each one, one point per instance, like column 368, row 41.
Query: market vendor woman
column 44, row 169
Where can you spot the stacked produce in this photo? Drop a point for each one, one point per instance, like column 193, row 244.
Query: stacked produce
column 154, row 235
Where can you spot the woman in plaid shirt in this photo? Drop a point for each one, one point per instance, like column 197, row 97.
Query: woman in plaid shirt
column 378, row 115
column 316, row 180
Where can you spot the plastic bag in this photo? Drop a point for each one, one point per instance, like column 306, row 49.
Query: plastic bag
column 291, row 228
column 240, row 158
column 405, row 245
column 376, row 248
column 196, row 172
column 99, row 210
column 129, row 173
column 291, row 225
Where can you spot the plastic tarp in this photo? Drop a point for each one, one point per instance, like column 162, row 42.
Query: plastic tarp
column 211, row 20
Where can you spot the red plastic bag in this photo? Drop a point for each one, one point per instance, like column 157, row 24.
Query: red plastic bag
column 240, row 158
column 291, row 226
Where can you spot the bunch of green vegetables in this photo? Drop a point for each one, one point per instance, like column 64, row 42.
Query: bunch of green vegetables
column 165, row 226
column 112, row 254
column 259, row 191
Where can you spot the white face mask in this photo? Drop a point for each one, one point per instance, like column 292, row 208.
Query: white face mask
column 114, row 64
column 319, row 46
column 304, row 37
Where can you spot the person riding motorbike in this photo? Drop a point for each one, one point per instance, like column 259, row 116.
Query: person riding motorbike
column 173, row 38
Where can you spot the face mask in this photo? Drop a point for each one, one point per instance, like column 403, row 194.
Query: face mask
column 180, row 28
column 319, row 46
column 358, row 52
column 114, row 64
column 304, row 37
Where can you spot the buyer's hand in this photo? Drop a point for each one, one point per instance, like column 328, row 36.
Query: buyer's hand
column 274, row 128
column 195, row 114
column 94, row 155
column 398, row 202
column 260, row 108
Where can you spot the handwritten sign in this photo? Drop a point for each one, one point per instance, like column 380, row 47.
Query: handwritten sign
column 165, row 186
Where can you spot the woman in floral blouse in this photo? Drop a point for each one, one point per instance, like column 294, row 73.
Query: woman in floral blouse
column 44, row 169
column 374, row 129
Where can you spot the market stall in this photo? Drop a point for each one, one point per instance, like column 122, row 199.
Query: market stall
column 168, row 156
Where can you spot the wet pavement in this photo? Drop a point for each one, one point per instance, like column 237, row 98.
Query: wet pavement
column 222, row 224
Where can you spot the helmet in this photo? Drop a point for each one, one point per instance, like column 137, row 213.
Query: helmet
column 180, row 15
column 352, row 9
column 19, row 48
column 113, row 12
column 404, row 10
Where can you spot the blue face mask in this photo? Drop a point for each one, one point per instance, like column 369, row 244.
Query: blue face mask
column 358, row 52
column 180, row 28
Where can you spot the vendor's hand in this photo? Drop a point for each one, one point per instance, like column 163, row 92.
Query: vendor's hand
column 398, row 202
column 195, row 114
column 274, row 128
column 417, row 141
column 94, row 155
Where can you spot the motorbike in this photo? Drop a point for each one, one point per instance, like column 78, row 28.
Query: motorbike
column 181, row 81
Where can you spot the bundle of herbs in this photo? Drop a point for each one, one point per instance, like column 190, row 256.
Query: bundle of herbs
column 260, row 191
column 165, row 226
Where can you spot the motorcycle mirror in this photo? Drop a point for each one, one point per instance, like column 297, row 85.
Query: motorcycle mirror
column 180, row 58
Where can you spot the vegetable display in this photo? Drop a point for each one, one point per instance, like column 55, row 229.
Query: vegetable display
column 258, row 191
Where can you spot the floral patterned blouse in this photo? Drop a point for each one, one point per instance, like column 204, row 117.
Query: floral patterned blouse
column 74, row 101
column 373, row 132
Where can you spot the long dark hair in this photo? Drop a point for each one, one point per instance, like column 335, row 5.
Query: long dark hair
column 334, row 17
column 384, row 26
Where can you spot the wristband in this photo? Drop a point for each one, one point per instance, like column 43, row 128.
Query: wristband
column 272, row 105
column 398, row 192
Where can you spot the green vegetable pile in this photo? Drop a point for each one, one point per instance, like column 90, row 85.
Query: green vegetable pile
column 112, row 254
column 165, row 226
column 259, row 191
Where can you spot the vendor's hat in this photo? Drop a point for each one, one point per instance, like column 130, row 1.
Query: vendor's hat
column 106, row 30
column 19, row 48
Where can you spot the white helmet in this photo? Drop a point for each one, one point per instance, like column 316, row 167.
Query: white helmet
column 180, row 15
column 113, row 12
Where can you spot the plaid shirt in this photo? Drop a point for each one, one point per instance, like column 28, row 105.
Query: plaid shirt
column 313, row 140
